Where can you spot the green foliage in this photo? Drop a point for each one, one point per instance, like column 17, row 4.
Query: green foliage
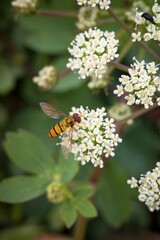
column 68, row 213
column 22, row 188
column 27, row 44
column 23, row 232
column 78, row 204
column 40, row 34
column 7, row 80
column 85, row 208
column 113, row 195
column 29, row 153
column 66, row 168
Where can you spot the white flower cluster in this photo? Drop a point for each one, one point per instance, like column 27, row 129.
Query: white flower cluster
column 148, row 188
column 87, row 17
column 24, row 6
column 91, row 51
column 103, row 4
column 142, row 84
column 93, row 137
column 46, row 78
column 152, row 31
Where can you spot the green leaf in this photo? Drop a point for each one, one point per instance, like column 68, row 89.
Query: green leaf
column 47, row 34
column 138, row 152
column 22, row 188
column 85, row 207
column 68, row 213
column 83, row 191
column 7, row 79
column 29, row 153
column 67, row 168
column 113, row 195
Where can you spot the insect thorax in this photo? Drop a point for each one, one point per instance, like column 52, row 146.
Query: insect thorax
column 70, row 121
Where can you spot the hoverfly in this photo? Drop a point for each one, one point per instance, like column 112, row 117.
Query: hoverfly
column 65, row 125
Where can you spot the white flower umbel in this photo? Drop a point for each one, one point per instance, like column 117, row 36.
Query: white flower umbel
column 103, row 4
column 91, row 51
column 87, row 18
column 148, row 188
column 46, row 78
column 24, row 6
column 93, row 137
column 151, row 29
column 141, row 85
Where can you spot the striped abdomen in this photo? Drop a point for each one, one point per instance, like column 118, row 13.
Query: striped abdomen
column 58, row 128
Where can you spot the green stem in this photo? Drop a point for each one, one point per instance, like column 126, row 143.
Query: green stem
column 54, row 13
column 148, row 49
column 80, row 228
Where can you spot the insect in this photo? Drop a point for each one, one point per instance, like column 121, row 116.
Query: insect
column 65, row 125
column 148, row 17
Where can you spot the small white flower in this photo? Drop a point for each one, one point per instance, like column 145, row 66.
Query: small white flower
column 136, row 36
column 24, row 6
column 141, row 84
column 132, row 182
column 93, row 49
column 95, row 136
column 149, row 188
column 103, row 4
column 142, row 197
column 46, row 78
column 156, row 8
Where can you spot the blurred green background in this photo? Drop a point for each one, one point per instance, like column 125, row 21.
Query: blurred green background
column 28, row 43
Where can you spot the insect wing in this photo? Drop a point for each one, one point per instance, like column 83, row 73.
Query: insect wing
column 67, row 142
column 51, row 111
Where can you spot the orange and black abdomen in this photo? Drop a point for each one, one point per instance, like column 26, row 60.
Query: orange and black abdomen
column 58, row 128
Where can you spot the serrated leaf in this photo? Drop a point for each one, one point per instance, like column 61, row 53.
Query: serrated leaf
column 68, row 213
column 22, row 188
column 85, row 207
column 67, row 168
column 29, row 153
column 113, row 195
column 83, row 191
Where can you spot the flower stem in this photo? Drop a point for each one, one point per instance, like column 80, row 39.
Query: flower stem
column 65, row 73
column 80, row 228
column 45, row 12
column 148, row 49
column 138, row 113
column 119, row 66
